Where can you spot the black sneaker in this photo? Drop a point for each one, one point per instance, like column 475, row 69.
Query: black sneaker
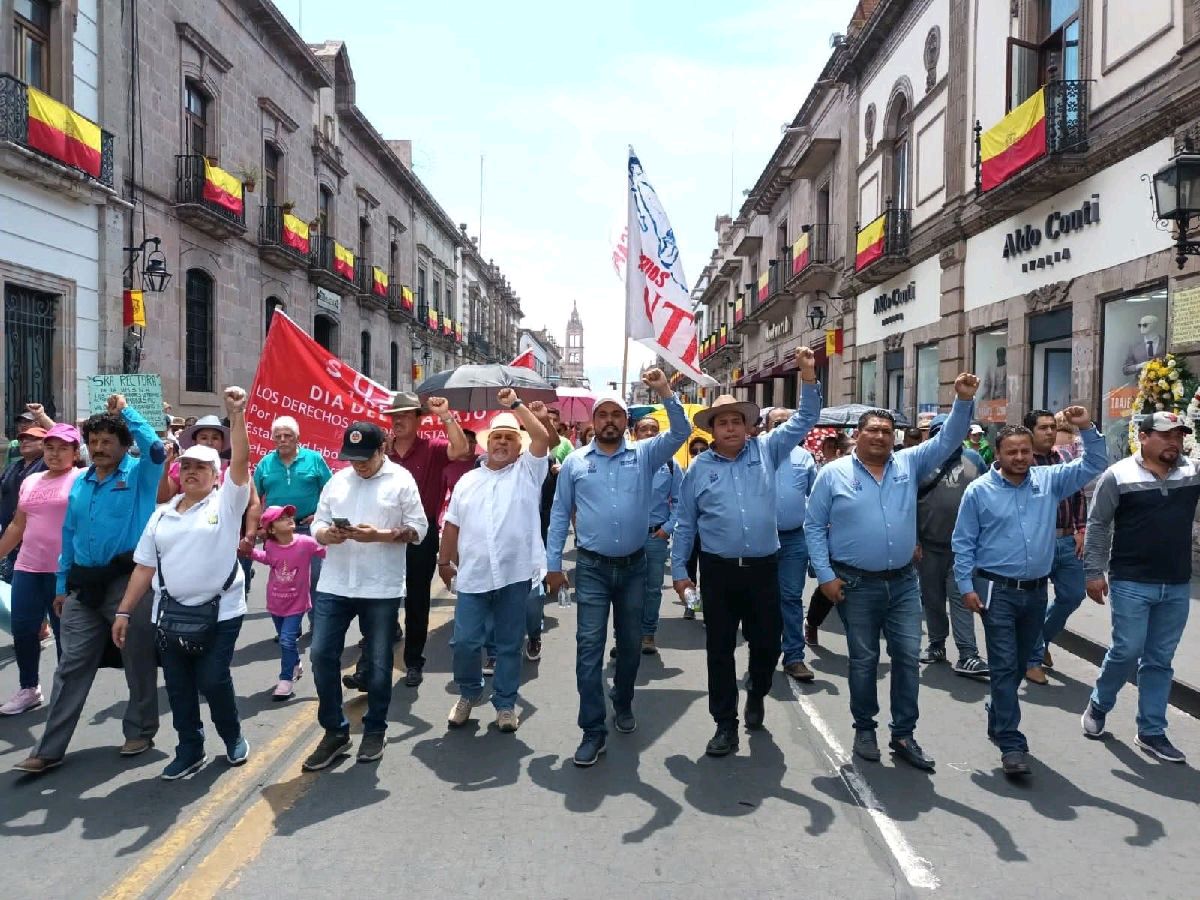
column 973, row 666
column 934, row 653
column 413, row 676
column 533, row 649
column 724, row 742
column 689, row 613
column 624, row 721
column 590, row 749
column 370, row 748
column 1158, row 745
column 754, row 711
column 333, row 745
column 910, row 751
column 1014, row 764
column 354, row 682
column 865, row 745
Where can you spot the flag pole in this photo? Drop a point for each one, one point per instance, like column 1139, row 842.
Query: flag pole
column 628, row 267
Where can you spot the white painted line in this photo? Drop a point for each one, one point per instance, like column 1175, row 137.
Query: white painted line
column 917, row 870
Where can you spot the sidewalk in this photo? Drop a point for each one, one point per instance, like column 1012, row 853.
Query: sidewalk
column 1090, row 628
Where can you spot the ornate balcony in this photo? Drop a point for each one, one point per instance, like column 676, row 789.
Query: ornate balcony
column 811, row 259
column 195, row 201
column 273, row 243
column 321, row 271
column 893, row 246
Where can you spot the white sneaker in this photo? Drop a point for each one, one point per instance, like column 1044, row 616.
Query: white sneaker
column 461, row 711
column 507, row 720
column 283, row 691
column 22, row 701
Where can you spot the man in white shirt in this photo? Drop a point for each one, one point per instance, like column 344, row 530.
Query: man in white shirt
column 367, row 515
column 492, row 544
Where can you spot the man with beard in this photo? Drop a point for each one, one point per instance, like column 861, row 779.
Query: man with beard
column 606, row 486
column 1140, row 533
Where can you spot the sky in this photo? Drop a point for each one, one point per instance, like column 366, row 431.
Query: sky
column 551, row 95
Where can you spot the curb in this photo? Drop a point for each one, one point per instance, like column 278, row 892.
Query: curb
column 1184, row 697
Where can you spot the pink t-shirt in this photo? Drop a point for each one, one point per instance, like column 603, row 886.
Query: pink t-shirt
column 288, row 583
column 44, row 502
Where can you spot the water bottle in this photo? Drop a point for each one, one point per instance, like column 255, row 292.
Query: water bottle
column 691, row 598
column 564, row 597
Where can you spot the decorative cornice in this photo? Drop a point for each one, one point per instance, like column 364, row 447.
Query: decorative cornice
column 275, row 111
column 201, row 43
column 367, row 197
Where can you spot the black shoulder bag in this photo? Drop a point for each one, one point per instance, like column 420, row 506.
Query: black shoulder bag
column 186, row 629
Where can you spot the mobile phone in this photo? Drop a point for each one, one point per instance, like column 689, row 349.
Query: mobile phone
column 339, row 522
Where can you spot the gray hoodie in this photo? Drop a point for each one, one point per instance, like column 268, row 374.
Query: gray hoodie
column 937, row 504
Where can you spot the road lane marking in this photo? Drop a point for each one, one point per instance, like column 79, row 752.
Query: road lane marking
column 917, row 870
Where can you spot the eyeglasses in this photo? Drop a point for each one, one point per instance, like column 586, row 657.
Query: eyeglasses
column 1145, row 324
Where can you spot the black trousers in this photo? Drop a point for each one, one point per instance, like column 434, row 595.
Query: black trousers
column 421, row 564
column 739, row 595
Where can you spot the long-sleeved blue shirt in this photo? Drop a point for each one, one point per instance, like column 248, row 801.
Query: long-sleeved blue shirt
column 869, row 524
column 731, row 503
column 105, row 517
column 664, row 496
column 610, row 493
column 793, row 482
column 1009, row 529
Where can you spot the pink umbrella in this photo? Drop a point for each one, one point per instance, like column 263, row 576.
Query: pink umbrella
column 574, row 404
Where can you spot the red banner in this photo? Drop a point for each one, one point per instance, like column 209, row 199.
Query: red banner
column 432, row 427
column 298, row 377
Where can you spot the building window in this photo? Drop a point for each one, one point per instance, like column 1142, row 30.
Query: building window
column 450, row 301
column 1051, row 53
column 394, row 366
column 421, row 298
column 364, row 237
column 29, row 357
column 271, row 158
column 325, row 332
column 893, row 363
column 325, row 212
column 868, row 372
column 1135, row 332
column 364, row 347
column 393, row 260
column 195, row 114
column 31, row 43
column 1050, row 340
column 437, row 293
column 990, row 359
column 274, row 304
column 927, row 379
column 898, row 165
column 199, row 331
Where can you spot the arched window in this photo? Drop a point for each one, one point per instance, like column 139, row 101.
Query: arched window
column 394, row 367
column 325, row 332
column 271, row 172
column 325, row 213
column 896, row 131
column 273, row 304
column 365, row 351
column 195, row 113
column 198, row 324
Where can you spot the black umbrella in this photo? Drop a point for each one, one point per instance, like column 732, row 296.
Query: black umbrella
column 472, row 388
column 847, row 416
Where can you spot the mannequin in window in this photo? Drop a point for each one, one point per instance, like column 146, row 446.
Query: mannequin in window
column 995, row 382
column 1146, row 346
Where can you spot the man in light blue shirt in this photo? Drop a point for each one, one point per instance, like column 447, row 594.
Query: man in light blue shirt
column 728, row 500
column 664, row 509
column 861, row 528
column 1003, row 552
column 793, row 481
column 607, row 486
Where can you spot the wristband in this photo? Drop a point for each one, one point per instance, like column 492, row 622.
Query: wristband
column 123, row 615
column 445, row 563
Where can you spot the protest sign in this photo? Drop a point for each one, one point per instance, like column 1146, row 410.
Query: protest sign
column 142, row 392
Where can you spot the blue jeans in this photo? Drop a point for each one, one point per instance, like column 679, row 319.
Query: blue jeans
column 187, row 677
column 657, row 551
column 875, row 606
column 288, row 629
column 314, row 573
column 504, row 611
column 1012, row 624
column 793, row 565
column 597, row 585
column 1070, row 587
column 534, row 619
column 1147, row 622
column 32, row 602
column 332, row 615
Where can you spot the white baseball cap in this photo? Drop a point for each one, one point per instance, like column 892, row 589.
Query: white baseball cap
column 203, row 454
column 976, row 429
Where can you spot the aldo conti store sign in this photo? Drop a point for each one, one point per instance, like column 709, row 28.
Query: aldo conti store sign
column 910, row 300
column 1027, row 243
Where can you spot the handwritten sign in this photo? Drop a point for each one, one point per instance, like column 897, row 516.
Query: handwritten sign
column 142, row 392
column 1185, row 316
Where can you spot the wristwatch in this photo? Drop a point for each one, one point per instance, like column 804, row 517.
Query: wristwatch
column 516, row 403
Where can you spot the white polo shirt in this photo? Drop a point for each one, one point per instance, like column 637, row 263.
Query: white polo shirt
column 499, row 525
column 388, row 499
column 199, row 549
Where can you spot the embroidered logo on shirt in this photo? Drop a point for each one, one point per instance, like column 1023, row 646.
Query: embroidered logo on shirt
column 630, row 460
column 712, row 477
column 856, row 484
column 212, row 519
column 1036, row 489
column 900, row 478
column 753, row 463
column 591, row 468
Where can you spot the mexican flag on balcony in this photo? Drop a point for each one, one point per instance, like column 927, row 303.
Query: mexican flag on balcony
column 406, row 298
column 800, row 254
column 739, row 310
column 379, row 282
column 222, row 189
column 1014, row 142
column 63, row 134
column 764, row 288
column 870, row 243
column 295, row 234
column 343, row 261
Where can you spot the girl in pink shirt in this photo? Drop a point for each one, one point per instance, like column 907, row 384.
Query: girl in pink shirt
column 288, row 555
column 37, row 527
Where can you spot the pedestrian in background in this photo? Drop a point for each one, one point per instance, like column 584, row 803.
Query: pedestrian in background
column 664, row 511
column 188, row 552
column 37, row 530
column 32, row 426
column 977, row 441
column 1003, row 555
column 833, row 446
column 1139, row 548
column 288, row 556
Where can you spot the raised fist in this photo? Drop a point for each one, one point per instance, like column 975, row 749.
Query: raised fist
column 116, row 403
column 807, row 360
column 507, row 397
column 235, row 400
column 965, row 386
column 1078, row 416
column 438, row 406
column 538, row 408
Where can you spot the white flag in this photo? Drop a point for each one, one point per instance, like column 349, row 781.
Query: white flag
column 658, row 306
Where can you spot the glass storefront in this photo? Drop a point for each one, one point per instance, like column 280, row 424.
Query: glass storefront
column 990, row 358
column 1135, row 331
column 868, row 372
column 927, row 379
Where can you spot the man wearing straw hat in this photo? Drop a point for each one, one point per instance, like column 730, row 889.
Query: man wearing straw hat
column 728, row 500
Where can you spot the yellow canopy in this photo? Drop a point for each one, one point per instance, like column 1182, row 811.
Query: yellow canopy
column 660, row 416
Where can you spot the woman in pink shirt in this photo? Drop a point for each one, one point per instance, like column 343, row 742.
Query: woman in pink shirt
column 37, row 527
column 288, row 555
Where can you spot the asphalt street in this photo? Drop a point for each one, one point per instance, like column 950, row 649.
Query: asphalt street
column 483, row 814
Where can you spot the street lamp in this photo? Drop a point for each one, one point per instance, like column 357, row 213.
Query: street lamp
column 816, row 316
column 1177, row 199
column 155, row 276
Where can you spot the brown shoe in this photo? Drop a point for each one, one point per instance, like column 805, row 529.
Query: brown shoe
column 648, row 646
column 799, row 671
column 810, row 635
column 134, row 746
column 36, row 765
column 1036, row 675
column 1047, row 662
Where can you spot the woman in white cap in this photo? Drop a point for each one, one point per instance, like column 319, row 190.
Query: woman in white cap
column 189, row 552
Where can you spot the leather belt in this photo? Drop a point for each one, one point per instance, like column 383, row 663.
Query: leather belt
column 742, row 562
column 619, row 561
column 1017, row 584
column 792, row 530
column 880, row 575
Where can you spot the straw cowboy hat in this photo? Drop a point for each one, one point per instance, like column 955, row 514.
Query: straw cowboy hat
column 504, row 421
column 723, row 404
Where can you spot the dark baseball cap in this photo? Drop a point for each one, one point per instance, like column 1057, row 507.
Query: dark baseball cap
column 361, row 441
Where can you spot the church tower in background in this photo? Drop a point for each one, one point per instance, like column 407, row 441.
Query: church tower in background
column 572, row 364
